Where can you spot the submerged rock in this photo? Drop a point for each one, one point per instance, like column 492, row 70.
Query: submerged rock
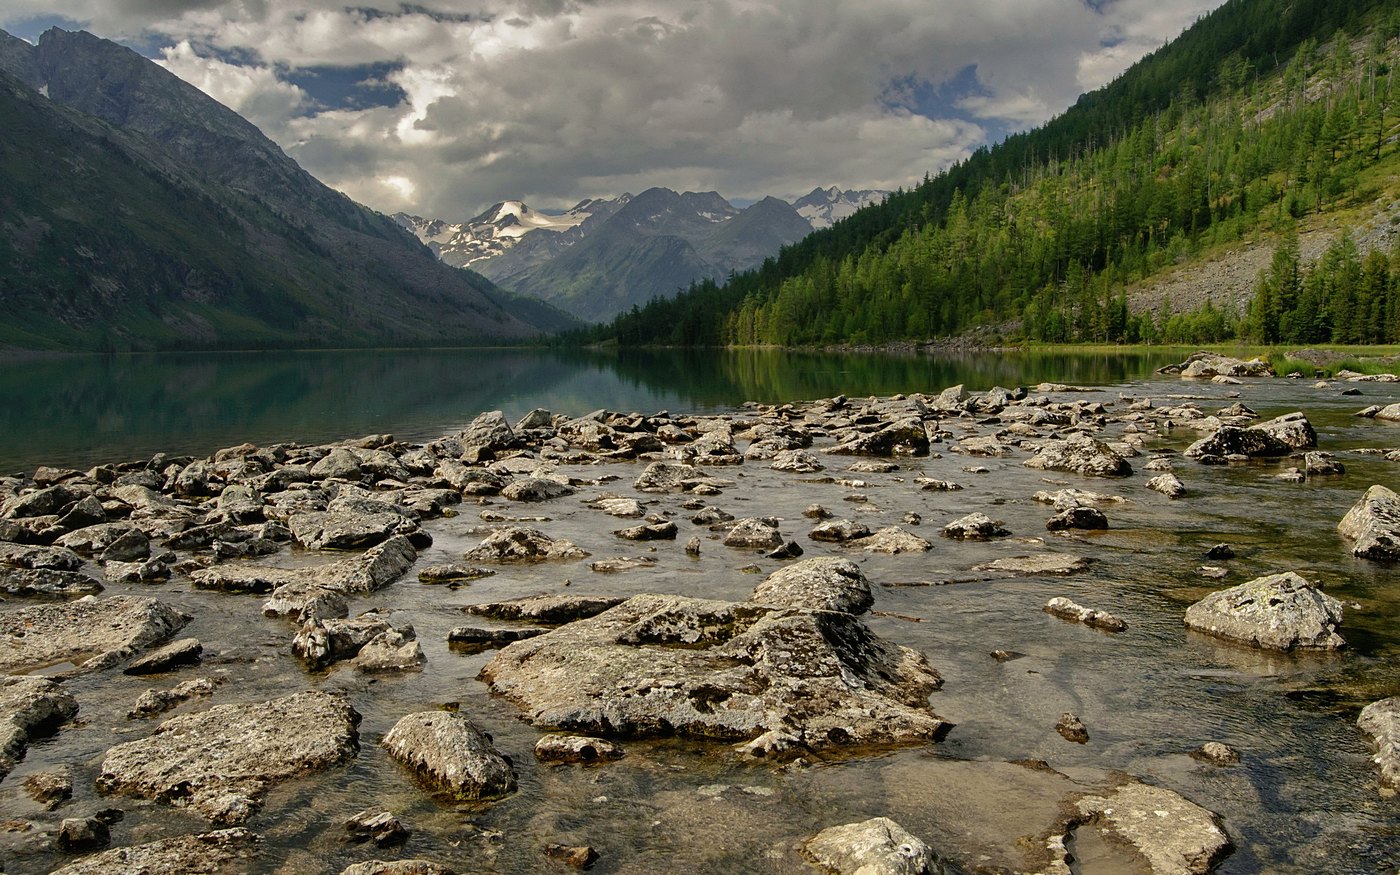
column 213, row 853
column 1173, row 834
column 823, row 584
column 91, row 633
column 449, row 752
column 878, row 846
column 1373, row 525
column 1277, row 612
column 1071, row 728
column 30, row 707
column 221, row 761
column 522, row 544
column 1039, row 563
column 1380, row 723
column 782, row 677
column 50, row 789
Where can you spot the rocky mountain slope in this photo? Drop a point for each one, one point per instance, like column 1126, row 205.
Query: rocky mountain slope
column 138, row 213
column 603, row 256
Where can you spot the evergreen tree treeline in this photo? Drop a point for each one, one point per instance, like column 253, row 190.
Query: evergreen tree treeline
column 1261, row 113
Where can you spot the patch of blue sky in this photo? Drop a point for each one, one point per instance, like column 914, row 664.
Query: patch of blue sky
column 946, row 100
column 363, row 86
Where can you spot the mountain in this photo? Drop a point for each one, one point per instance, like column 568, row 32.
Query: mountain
column 138, row 213
column 1266, row 122
column 602, row 256
column 825, row 207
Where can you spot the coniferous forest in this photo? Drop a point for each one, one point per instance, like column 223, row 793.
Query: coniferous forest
column 1264, row 114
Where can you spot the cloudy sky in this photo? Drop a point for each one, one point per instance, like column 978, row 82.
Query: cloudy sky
column 442, row 107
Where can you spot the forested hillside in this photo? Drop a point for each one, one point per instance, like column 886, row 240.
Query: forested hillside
column 1263, row 114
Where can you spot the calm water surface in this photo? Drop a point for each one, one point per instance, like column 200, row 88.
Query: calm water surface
column 85, row 410
column 1303, row 800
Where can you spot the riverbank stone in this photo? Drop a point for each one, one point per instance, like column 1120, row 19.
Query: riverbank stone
column 222, row 761
column 223, row 852
column 822, row 584
column 877, row 846
column 1276, row 612
column 449, row 752
column 1373, row 525
column 1174, row 835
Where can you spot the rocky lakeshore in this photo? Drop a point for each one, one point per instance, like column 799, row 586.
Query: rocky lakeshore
column 1051, row 629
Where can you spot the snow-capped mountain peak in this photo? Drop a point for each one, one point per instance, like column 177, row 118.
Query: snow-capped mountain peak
column 824, row 207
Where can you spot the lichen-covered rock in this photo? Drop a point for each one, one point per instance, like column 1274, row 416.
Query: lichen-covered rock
column 822, row 584
column 176, row 654
column 1067, row 610
column 376, row 568
column 552, row 609
column 390, row 651
column 321, row 642
column 839, row 531
column 50, row 789
column 1080, row 454
column 627, row 508
column 221, row 761
column 797, row 462
column 223, row 852
column 780, row 677
column 536, row 489
column 878, row 846
column 663, row 531
column 754, row 533
column 397, row 867
column 449, row 752
column 489, row 431
column 1168, row 484
column 47, row 582
column 556, row 748
column 902, row 437
column 1373, row 525
column 975, row 527
column 1078, row 517
column 350, row 526
column 29, row 707
column 523, row 544
column 1229, row 440
column 1293, row 429
column 1205, row 365
column 1380, row 722
column 1277, row 612
column 154, row 701
column 670, row 477
column 115, row 628
column 1174, row 835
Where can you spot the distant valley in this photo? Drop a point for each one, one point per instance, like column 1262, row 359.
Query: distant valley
column 603, row 256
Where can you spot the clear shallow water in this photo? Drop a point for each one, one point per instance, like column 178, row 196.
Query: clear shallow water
column 80, row 411
column 1304, row 799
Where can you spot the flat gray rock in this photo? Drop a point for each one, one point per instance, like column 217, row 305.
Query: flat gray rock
column 1277, row 612
column 975, row 527
column 90, row 633
column 1037, row 563
column 450, row 753
column 376, row 568
column 1373, row 525
column 220, row 762
column 223, row 852
column 1173, row 834
column 46, row 582
column 893, row 540
column 29, row 708
column 754, row 534
column 776, row 678
column 176, row 654
column 550, row 609
column 823, row 584
column 536, row 489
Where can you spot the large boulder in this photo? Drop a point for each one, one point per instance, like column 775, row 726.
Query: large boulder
column 877, row 846
column 754, row 533
column 29, row 707
column 222, row 761
column 778, row 678
column 1380, row 722
column 1205, row 365
column 450, row 753
column 1277, row 612
column 1291, row 428
column 1173, row 834
column 113, row 629
column 351, row 524
column 490, row 431
column 1373, row 525
column 1277, row 437
column 822, row 584
column 1082, row 455
column 222, row 852
column 672, row 477
column 903, row 437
